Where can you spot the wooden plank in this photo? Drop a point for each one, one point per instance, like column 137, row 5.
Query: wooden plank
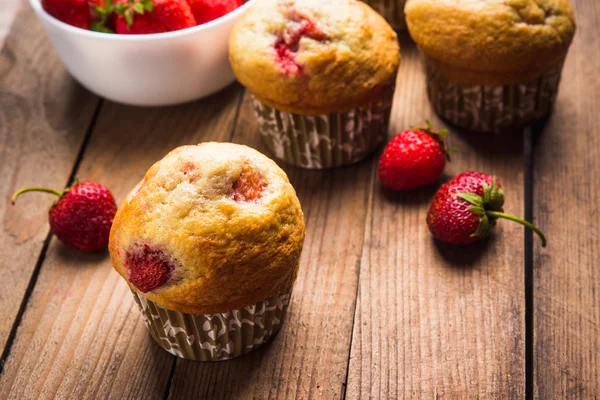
column 8, row 12
column 44, row 116
column 309, row 356
column 433, row 321
column 566, row 199
column 82, row 335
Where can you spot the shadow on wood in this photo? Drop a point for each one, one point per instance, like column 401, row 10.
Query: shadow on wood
column 465, row 256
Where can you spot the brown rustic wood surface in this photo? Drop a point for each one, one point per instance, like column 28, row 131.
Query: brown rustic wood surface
column 8, row 10
column 44, row 116
column 379, row 311
column 567, row 206
column 432, row 320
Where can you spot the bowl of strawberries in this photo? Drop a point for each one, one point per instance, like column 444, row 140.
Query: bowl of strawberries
column 143, row 52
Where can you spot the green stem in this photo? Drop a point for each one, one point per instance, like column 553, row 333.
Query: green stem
column 35, row 189
column 529, row 225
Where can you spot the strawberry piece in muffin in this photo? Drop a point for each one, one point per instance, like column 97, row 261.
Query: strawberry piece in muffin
column 286, row 47
column 249, row 186
column 148, row 268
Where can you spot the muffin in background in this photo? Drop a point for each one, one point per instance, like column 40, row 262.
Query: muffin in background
column 391, row 10
column 322, row 75
column 492, row 65
column 209, row 243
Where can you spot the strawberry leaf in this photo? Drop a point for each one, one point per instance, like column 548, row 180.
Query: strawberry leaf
column 472, row 198
column 98, row 26
column 495, row 196
column 148, row 5
column 128, row 15
column 138, row 8
column 101, row 11
column 477, row 210
column 486, row 193
column 484, row 227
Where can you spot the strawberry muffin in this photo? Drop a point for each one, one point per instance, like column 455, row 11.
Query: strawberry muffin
column 492, row 65
column 322, row 74
column 209, row 243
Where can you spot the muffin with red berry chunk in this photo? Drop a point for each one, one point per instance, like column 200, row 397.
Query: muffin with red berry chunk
column 209, row 243
column 322, row 75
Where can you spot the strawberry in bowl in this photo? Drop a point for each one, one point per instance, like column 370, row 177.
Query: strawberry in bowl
column 143, row 52
column 138, row 16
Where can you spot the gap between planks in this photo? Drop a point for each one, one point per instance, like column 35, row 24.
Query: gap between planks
column 44, row 250
column 528, row 261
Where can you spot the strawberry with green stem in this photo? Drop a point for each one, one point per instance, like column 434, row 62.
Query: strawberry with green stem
column 79, row 13
column 152, row 16
column 466, row 209
column 82, row 216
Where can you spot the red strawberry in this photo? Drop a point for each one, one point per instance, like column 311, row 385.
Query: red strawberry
column 72, row 12
column 148, row 268
column 86, row 14
column 413, row 159
column 249, row 186
column 153, row 16
column 82, row 215
column 206, row 10
column 466, row 209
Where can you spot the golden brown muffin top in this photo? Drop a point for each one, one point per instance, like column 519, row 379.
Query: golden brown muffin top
column 516, row 39
column 314, row 56
column 210, row 228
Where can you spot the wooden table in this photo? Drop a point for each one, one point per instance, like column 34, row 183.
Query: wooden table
column 380, row 310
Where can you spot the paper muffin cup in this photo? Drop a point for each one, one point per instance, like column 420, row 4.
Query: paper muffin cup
column 214, row 337
column 391, row 10
column 324, row 140
column 492, row 108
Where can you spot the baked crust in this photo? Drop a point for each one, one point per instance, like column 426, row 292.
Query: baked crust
column 314, row 56
column 227, row 253
column 492, row 41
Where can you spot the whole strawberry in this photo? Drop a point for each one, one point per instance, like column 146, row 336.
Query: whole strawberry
column 138, row 17
column 466, row 209
column 414, row 158
column 207, row 10
column 82, row 215
column 85, row 14
column 72, row 12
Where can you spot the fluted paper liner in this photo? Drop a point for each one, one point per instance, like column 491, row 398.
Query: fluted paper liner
column 214, row 337
column 391, row 10
column 325, row 140
column 492, row 108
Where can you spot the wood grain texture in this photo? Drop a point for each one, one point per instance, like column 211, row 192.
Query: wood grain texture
column 44, row 116
column 8, row 12
column 82, row 335
column 308, row 358
column 435, row 321
column 566, row 205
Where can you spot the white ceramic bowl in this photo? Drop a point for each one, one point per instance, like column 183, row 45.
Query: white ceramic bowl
column 146, row 70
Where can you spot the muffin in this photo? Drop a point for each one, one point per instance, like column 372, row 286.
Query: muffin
column 322, row 76
column 492, row 65
column 391, row 10
column 209, row 243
